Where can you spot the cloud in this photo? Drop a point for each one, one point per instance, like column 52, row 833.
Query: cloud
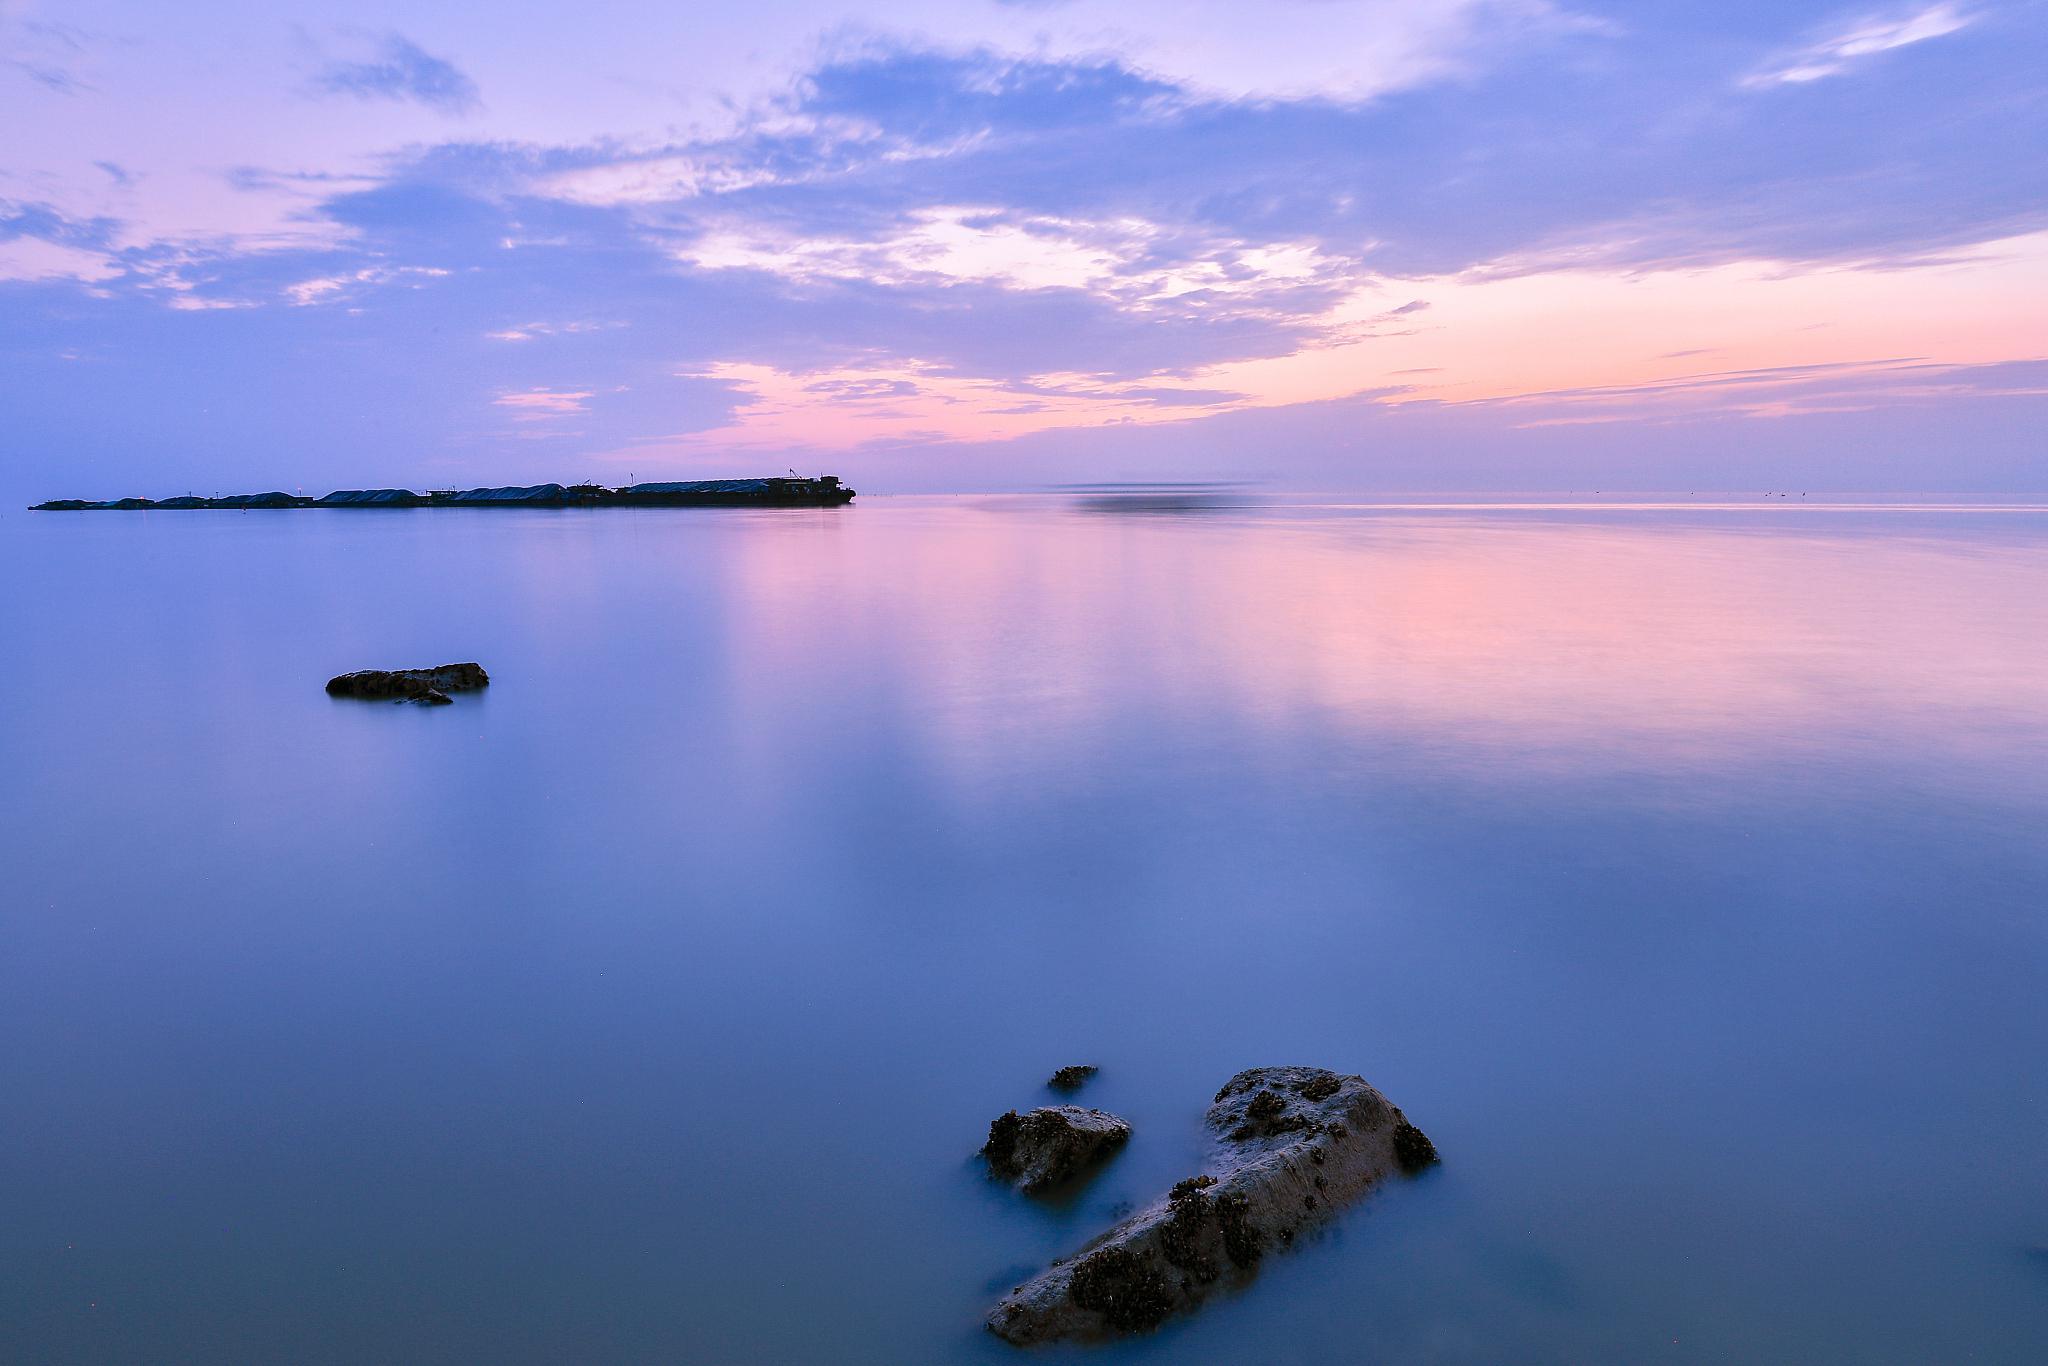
column 530, row 331
column 1861, row 38
column 329, row 288
column 38, row 242
column 34, row 258
column 52, row 78
column 1782, row 391
column 892, row 161
column 1135, row 262
column 916, row 249
column 858, row 405
column 1355, row 51
column 543, row 405
column 402, row 71
column 46, row 53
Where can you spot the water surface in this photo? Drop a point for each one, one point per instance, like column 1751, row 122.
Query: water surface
column 1683, row 872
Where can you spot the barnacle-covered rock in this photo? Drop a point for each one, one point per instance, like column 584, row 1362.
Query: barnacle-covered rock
column 1049, row 1146
column 429, row 687
column 1292, row 1145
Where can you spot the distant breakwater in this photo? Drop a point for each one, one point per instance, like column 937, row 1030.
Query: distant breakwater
column 824, row 491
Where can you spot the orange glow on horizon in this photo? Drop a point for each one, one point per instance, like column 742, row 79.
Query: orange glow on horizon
column 1704, row 338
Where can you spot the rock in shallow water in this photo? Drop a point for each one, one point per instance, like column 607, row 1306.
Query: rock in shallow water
column 1039, row 1150
column 1293, row 1144
column 429, row 687
column 1071, row 1078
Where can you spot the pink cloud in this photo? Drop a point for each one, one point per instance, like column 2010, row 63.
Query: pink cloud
column 542, row 405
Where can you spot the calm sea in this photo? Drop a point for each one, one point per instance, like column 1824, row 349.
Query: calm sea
column 1683, row 872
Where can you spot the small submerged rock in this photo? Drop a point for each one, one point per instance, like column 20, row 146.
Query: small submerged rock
column 428, row 687
column 1045, row 1147
column 1072, row 1078
column 1292, row 1145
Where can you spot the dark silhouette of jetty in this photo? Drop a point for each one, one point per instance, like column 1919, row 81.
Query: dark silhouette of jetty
column 824, row 491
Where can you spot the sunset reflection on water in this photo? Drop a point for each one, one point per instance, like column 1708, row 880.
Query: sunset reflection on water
column 1680, row 870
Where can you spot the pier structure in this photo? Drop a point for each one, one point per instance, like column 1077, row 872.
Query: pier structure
column 793, row 491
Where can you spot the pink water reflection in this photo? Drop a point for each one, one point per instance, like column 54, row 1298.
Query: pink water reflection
column 1590, row 641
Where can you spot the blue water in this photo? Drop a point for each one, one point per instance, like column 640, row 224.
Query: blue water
column 1684, row 873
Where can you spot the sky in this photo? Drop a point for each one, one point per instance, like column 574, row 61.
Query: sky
column 1479, row 245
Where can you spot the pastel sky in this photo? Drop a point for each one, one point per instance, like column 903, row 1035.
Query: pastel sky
column 1394, row 244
